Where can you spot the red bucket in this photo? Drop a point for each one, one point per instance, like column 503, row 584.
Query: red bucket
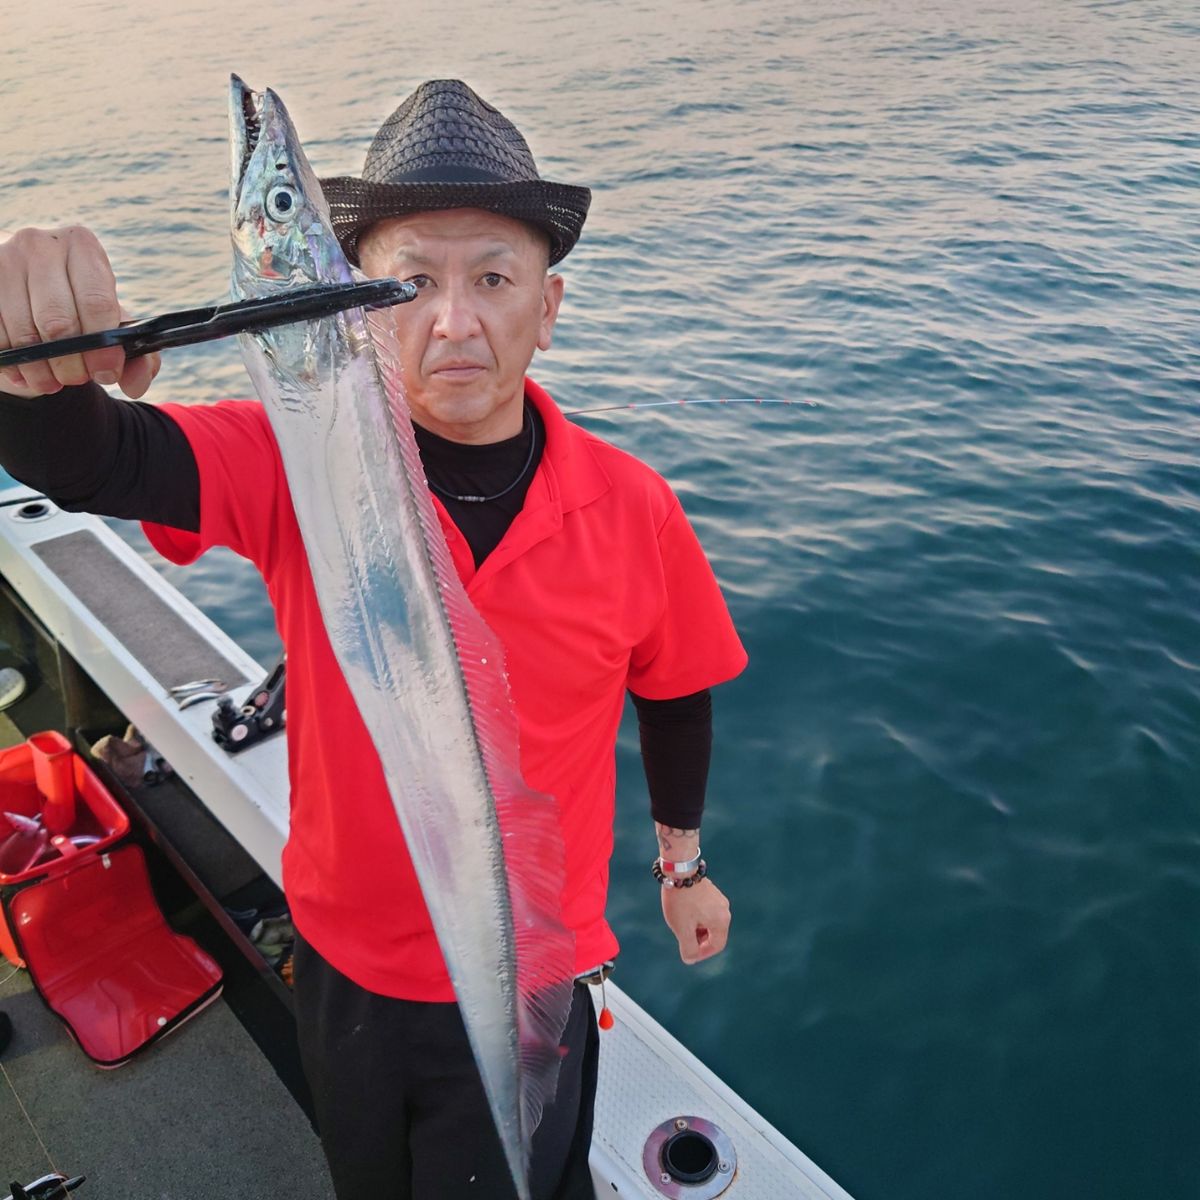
column 54, row 811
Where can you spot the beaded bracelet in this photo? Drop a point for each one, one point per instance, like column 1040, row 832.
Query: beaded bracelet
column 663, row 878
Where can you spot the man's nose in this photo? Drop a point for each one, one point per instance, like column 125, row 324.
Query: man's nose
column 456, row 318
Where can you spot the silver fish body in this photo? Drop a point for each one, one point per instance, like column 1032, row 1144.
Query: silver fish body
column 425, row 671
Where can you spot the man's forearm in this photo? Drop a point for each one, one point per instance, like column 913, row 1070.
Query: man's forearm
column 676, row 740
column 90, row 452
column 677, row 845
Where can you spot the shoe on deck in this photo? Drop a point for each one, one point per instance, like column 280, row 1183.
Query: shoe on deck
column 12, row 686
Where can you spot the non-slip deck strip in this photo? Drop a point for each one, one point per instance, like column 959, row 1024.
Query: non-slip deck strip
column 149, row 628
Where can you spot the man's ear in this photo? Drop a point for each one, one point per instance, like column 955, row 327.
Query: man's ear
column 552, row 294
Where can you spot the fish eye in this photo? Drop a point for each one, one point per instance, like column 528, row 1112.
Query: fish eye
column 281, row 203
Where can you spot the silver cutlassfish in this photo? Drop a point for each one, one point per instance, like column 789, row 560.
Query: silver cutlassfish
column 425, row 671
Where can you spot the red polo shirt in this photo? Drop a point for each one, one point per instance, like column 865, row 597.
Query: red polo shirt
column 599, row 585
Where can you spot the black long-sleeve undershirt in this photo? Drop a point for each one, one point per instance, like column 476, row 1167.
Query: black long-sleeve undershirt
column 90, row 452
column 676, row 738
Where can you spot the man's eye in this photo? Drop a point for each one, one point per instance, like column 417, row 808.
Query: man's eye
column 420, row 282
column 492, row 280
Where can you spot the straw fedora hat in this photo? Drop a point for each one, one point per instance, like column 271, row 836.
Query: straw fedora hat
column 444, row 147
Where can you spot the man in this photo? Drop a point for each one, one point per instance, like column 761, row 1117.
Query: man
column 576, row 555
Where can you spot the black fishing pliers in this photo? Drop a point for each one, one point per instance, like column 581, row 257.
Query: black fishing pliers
column 220, row 320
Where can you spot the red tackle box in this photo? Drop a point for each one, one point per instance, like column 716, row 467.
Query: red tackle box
column 77, row 910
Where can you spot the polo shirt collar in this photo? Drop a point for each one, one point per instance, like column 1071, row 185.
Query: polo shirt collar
column 568, row 477
column 575, row 476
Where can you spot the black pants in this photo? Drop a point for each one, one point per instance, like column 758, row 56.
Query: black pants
column 400, row 1106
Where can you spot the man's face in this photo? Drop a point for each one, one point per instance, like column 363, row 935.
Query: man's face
column 485, row 302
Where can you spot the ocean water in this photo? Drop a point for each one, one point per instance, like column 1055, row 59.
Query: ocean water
column 955, row 798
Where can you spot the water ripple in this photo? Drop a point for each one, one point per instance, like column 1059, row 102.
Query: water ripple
column 955, row 798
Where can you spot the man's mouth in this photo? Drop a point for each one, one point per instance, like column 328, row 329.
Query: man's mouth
column 457, row 370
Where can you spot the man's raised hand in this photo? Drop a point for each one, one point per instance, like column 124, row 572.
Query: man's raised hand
column 57, row 283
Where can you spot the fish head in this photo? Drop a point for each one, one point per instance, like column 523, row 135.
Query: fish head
column 282, row 234
column 283, row 238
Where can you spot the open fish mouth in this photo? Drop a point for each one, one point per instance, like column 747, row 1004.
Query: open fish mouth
column 245, row 128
